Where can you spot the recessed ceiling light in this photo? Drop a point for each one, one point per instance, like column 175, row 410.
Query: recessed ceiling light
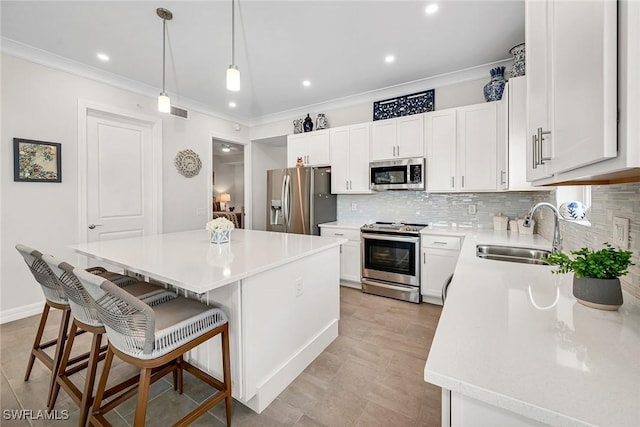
column 432, row 8
column 306, row 83
column 232, row 104
column 103, row 57
column 389, row 59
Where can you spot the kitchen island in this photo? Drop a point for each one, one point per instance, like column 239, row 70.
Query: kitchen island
column 513, row 347
column 281, row 292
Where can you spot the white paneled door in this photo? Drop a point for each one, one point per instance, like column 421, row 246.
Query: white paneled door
column 122, row 185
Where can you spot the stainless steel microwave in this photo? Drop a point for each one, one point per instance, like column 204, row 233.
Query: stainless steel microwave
column 401, row 174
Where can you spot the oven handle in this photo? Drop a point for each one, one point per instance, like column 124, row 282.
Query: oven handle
column 374, row 236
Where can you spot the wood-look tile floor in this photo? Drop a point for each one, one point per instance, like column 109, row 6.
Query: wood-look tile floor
column 371, row 375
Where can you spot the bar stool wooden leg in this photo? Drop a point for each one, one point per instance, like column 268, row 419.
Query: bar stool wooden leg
column 143, row 395
column 36, row 341
column 102, row 384
column 87, row 394
column 179, row 373
column 226, row 372
column 60, row 346
column 63, row 366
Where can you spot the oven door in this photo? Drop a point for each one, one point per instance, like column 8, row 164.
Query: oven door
column 391, row 258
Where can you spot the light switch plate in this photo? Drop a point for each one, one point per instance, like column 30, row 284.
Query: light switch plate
column 621, row 232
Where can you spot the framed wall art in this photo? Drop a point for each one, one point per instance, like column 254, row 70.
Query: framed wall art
column 406, row 105
column 36, row 161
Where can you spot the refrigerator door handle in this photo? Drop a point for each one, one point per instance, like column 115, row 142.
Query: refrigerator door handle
column 284, row 205
column 286, row 202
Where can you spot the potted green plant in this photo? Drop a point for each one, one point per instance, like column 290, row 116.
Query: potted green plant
column 596, row 280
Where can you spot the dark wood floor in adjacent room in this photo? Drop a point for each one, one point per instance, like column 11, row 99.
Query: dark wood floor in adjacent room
column 371, row 375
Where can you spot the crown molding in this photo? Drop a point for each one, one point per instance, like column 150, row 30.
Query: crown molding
column 440, row 80
column 48, row 59
column 51, row 60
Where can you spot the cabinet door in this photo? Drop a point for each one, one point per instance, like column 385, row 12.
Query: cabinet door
column 477, row 149
column 538, row 73
column 350, row 262
column 359, row 141
column 383, row 139
column 295, row 148
column 410, row 136
column 437, row 266
column 318, row 148
column 340, row 160
column 584, row 82
column 440, row 128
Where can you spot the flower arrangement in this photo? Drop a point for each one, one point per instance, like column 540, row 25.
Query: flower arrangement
column 220, row 224
column 220, row 230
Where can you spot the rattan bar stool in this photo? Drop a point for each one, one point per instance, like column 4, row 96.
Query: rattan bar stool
column 85, row 318
column 55, row 298
column 154, row 339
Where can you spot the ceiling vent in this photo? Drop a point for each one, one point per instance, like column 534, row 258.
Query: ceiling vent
column 179, row 112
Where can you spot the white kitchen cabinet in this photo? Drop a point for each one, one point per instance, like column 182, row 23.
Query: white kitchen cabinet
column 439, row 257
column 572, row 84
column 350, row 159
column 349, row 254
column 515, row 124
column 313, row 147
column 462, row 149
column 401, row 137
column 469, row 412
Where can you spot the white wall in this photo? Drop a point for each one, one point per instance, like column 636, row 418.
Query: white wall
column 263, row 157
column 229, row 177
column 41, row 103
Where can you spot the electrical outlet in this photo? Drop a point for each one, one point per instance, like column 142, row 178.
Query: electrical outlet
column 354, row 207
column 299, row 287
column 621, row 232
column 471, row 210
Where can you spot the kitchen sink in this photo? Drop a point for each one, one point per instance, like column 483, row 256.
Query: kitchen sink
column 512, row 254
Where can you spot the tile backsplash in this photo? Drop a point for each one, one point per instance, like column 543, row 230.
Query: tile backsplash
column 607, row 201
column 431, row 208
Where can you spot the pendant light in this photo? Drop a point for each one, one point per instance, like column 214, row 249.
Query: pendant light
column 164, row 103
column 233, row 73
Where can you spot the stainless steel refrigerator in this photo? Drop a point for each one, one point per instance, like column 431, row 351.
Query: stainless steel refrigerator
column 298, row 199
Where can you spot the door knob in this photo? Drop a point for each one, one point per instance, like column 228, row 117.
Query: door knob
column 92, row 226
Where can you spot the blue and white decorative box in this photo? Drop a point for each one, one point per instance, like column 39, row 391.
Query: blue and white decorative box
column 406, row 105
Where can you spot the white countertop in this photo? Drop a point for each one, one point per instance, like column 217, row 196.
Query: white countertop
column 512, row 335
column 188, row 259
column 340, row 224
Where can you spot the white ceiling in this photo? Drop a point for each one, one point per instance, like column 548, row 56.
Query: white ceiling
column 338, row 45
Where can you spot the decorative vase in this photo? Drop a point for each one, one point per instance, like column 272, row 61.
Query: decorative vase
column 297, row 126
column 493, row 90
column 321, row 122
column 308, row 124
column 575, row 211
column 220, row 236
column 603, row 294
column 518, row 67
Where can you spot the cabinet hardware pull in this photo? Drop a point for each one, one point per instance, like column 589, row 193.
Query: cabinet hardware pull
column 453, row 182
column 503, row 177
column 350, row 185
column 338, row 234
column 541, row 135
column 439, row 243
column 398, row 150
column 462, row 181
column 534, row 153
column 394, row 151
column 424, row 257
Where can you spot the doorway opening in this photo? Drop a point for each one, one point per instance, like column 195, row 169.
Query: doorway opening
column 228, row 176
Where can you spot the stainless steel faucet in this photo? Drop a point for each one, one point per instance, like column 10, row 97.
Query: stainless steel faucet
column 557, row 238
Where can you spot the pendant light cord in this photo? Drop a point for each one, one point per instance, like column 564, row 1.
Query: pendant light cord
column 233, row 33
column 164, row 38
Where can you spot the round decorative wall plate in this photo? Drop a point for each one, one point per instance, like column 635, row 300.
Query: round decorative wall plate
column 188, row 163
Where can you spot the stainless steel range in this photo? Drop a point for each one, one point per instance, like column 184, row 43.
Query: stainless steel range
column 391, row 260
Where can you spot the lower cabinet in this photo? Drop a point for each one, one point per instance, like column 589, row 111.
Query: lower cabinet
column 439, row 257
column 349, row 254
column 468, row 412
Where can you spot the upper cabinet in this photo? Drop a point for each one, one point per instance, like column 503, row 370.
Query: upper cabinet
column 571, row 85
column 312, row 147
column 462, row 149
column 401, row 137
column 350, row 159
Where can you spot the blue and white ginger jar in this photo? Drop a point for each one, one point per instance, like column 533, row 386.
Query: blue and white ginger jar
column 493, row 90
column 574, row 211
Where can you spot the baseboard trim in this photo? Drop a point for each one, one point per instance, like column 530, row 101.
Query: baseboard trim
column 18, row 313
column 272, row 387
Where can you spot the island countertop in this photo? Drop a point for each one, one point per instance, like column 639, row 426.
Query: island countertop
column 204, row 266
column 513, row 336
